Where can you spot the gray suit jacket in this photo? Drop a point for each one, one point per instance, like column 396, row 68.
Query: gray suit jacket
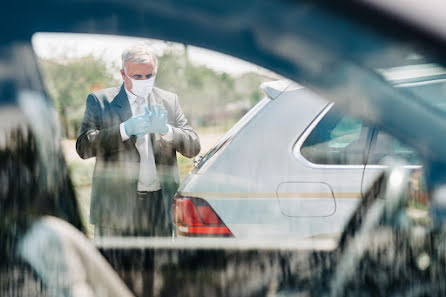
column 116, row 170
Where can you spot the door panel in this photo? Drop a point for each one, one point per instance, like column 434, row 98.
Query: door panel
column 331, row 155
column 306, row 199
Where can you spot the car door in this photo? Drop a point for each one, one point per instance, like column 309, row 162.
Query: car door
column 331, row 157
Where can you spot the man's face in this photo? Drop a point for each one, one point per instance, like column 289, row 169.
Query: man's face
column 137, row 72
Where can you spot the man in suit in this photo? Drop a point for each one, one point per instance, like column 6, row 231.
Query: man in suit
column 134, row 132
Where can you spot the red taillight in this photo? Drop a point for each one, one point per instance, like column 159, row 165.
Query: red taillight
column 195, row 217
column 208, row 215
column 187, row 212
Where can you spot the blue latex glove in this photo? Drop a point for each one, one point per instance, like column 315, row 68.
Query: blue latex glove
column 138, row 125
column 159, row 119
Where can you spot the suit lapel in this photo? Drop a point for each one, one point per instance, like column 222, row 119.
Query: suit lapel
column 155, row 98
column 122, row 105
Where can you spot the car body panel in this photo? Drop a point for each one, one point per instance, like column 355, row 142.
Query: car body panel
column 259, row 186
column 309, row 199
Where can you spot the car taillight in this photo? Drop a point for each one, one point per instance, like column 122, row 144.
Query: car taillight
column 195, row 217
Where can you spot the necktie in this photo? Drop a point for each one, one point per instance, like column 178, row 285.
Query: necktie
column 148, row 179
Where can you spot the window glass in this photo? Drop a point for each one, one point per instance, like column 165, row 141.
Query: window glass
column 284, row 211
column 214, row 92
column 384, row 148
column 337, row 139
column 417, row 203
column 425, row 81
column 388, row 146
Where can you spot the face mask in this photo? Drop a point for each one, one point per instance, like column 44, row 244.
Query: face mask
column 142, row 88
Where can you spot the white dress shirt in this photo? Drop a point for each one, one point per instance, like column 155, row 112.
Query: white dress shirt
column 148, row 179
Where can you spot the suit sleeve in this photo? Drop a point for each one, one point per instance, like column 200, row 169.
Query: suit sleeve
column 94, row 139
column 185, row 139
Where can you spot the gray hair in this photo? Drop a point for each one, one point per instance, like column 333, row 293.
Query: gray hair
column 139, row 54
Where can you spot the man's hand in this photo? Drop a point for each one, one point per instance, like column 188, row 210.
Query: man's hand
column 159, row 119
column 138, row 125
column 153, row 121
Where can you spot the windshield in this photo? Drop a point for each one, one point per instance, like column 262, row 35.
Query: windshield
column 333, row 187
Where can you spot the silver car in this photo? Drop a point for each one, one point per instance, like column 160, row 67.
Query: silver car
column 294, row 166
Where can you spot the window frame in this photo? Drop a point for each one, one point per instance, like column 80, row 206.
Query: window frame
column 303, row 137
column 372, row 150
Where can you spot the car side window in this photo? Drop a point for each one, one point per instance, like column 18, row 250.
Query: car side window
column 417, row 202
column 386, row 145
column 338, row 139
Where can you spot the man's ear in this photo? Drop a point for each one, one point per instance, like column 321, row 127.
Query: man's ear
column 122, row 73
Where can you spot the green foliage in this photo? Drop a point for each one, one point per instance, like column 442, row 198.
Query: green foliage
column 208, row 98
column 70, row 81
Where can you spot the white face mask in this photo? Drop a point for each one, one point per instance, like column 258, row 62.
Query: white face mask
column 142, row 88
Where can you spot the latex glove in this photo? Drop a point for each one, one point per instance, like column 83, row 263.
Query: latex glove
column 138, row 125
column 159, row 119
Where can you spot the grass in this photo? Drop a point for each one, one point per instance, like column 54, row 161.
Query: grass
column 185, row 165
column 81, row 173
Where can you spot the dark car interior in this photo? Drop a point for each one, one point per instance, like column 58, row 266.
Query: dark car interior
column 381, row 252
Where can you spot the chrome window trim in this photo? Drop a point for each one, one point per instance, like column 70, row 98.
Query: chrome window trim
column 297, row 146
column 375, row 166
column 421, row 83
column 379, row 165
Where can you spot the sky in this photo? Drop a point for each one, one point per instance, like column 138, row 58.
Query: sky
column 109, row 47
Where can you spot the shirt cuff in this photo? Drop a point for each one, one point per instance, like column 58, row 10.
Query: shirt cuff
column 168, row 137
column 124, row 135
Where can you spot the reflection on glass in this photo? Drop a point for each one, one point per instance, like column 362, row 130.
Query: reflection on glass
column 337, row 139
column 212, row 97
column 424, row 81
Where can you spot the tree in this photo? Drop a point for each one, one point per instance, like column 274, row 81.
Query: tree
column 208, row 98
column 70, row 81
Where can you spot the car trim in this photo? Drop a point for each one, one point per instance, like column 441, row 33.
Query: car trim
column 375, row 166
column 411, row 72
column 241, row 195
column 194, row 243
column 420, row 83
column 297, row 146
